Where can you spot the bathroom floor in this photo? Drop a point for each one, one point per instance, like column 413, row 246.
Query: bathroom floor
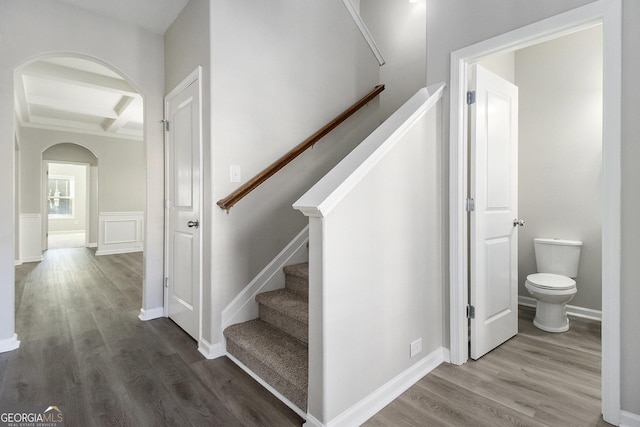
column 535, row 379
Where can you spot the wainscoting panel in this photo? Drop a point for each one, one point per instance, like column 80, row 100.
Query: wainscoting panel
column 30, row 237
column 120, row 232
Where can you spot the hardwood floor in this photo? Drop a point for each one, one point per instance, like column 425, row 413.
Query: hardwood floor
column 83, row 348
column 534, row 379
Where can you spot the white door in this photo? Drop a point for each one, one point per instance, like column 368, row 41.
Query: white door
column 493, row 122
column 183, row 204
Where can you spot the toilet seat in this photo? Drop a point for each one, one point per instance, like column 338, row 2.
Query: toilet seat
column 551, row 281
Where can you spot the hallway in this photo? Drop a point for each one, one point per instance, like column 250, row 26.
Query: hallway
column 84, row 349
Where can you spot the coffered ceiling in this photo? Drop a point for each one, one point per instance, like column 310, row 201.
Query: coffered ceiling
column 77, row 95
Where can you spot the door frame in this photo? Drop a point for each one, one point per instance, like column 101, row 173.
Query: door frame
column 608, row 13
column 194, row 77
column 44, row 210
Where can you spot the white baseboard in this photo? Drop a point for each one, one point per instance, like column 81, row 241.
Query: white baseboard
column 372, row 404
column 572, row 310
column 266, row 385
column 32, row 259
column 210, row 351
column 629, row 419
column 58, row 232
column 9, row 344
column 92, row 245
column 117, row 251
column 17, row 262
column 244, row 307
column 150, row 314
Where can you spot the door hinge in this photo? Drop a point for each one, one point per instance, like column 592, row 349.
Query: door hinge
column 470, row 204
column 166, row 125
column 166, row 282
column 471, row 312
column 471, row 97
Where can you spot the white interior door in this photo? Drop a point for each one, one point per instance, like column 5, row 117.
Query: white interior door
column 493, row 122
column 183, row 205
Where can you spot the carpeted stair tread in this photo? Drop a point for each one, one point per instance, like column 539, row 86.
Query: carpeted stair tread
column 286, row 302
column 275, row 356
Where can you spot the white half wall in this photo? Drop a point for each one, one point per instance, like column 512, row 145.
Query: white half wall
column 30, row 237
column 120, row 232
column 375, row 267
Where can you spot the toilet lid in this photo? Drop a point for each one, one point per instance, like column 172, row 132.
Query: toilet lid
column 551, row 281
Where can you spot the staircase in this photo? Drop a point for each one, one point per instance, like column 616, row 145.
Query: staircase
column 275, row 346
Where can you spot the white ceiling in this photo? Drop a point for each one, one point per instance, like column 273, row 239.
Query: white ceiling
column 152, row 15
column 77, row 95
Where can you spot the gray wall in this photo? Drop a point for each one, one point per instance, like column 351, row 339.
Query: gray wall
column 630, row 207
column 187, row 46
column 398, row 28
column 272, row 75
column 121, row 173
column 454, row 24
column 280, row 71
column 560, row 152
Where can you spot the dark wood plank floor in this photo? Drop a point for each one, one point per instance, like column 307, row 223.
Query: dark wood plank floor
column 534, row 379
column 83, row 348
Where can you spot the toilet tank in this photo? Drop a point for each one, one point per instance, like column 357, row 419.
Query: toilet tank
column 557, row 256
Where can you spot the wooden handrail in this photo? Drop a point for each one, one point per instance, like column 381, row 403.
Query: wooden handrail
column 233, row 198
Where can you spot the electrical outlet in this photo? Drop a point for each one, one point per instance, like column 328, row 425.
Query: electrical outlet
column 234, row 173
column 416, row 347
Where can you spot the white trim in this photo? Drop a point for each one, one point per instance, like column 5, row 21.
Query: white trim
column 370, row 405
column 9, row 344
column 244, row 307
column 150, row 314
column 30, row 226
column 266, row 385
column 572, row 310
column 629, row 419
column 334, row 186
column 110, row 239
column 364, row 30
column 210, row 351
column 601, row 11
column 66, row 232
column 17, row 262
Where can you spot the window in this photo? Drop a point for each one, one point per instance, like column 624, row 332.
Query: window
column 61, row 194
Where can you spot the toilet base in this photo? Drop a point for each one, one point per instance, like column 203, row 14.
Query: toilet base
column 551, row 317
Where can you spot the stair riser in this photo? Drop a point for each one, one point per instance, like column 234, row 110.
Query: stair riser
column 291, row 392
column 285, row 323
column 297, row 284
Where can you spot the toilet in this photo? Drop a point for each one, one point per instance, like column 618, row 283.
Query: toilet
column 553, row 285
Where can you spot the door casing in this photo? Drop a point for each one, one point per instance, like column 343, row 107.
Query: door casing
column 609, row 14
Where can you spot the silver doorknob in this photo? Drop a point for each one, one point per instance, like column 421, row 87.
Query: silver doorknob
column 518, row 222
column 192, row 224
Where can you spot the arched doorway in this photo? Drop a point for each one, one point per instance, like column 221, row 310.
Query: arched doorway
column 73, row 108
column 70, row 199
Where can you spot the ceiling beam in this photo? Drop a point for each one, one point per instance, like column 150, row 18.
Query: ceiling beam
column 72, row 106
column 78, row 77
column 125, row 105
